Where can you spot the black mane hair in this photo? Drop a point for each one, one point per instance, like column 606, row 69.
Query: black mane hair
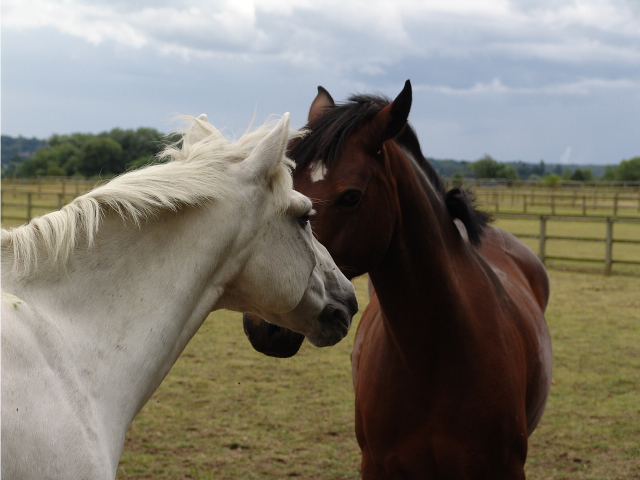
column 328, row 133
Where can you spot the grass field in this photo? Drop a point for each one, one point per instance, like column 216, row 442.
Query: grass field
column 227, row 412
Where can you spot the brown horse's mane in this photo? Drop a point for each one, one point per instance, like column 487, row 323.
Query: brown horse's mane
column 329, row 132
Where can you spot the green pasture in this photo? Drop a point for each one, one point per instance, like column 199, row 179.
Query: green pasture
column 228, row 412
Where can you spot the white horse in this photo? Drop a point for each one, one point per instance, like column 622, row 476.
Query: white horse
column 100, row 298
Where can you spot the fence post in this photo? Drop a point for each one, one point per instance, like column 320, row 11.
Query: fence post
column 29, row 206
column 59, row 201
column 609, row 245
column 584, row 205
column 615, row 205
column 553, row 203
column 543, row 238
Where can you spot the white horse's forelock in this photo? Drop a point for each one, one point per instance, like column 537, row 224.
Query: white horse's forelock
column 195, row 174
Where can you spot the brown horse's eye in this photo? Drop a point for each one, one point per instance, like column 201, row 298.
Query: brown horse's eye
column 349, row 199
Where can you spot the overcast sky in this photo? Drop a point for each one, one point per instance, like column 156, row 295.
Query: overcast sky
column 517, row 79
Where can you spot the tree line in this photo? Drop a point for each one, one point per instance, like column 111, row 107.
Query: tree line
column 111, row 153
column 88, row 155
column 488, row 167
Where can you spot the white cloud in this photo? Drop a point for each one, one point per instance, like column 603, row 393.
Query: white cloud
column 576, row 31
column 581, row 87
column 565, row 158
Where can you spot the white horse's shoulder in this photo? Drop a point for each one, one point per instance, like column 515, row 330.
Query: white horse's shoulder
column 41, row 393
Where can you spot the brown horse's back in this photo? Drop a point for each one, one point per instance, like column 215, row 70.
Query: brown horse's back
column 506, row 253
column 525, row 280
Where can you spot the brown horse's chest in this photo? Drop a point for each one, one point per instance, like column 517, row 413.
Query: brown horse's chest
column 447, row 416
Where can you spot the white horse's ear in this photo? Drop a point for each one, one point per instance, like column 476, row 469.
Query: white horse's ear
column 267, row 156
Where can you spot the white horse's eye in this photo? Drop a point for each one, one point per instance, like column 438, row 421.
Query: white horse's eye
column 304, row 219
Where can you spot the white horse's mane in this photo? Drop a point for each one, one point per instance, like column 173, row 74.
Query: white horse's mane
column 196, row 174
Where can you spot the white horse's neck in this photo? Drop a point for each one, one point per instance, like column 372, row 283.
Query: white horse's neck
column 127, row 308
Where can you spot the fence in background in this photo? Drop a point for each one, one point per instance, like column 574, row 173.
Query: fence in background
column 608, row 241
column 557, row 202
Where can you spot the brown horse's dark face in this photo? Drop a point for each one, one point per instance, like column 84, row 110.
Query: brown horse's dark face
column 355, row 201
column 348, row 201
column 355, row 198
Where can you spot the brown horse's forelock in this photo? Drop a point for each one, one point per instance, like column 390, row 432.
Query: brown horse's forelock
column 329, row 132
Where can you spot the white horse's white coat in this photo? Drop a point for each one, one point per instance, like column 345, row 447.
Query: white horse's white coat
column 100, row 299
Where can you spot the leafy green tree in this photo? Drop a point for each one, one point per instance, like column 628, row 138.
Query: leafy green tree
column 56, row 171
column 101, row 156
column 629, row 170
column 487, row 167
column 62, row 155
column 582, row 175
column 610, row 173
column 457, row 179
column 141, row 143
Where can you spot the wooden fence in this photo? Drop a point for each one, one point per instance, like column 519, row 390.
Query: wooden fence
column 559, row 202
column 502, row 182
column 608, row 241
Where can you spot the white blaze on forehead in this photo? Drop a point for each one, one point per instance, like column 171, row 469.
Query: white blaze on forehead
column 318, row 170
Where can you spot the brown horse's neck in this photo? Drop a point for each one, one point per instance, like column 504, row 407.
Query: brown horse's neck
column 418, row 282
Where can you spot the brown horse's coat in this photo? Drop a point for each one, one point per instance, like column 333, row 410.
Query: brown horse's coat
column 452, row 358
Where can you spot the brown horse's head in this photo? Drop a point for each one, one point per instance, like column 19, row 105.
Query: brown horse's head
column 347, row 165
column 342, row 165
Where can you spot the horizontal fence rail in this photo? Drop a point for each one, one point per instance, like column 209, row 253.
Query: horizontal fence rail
column 553, row 202
column 608, row 241
column 503, row 182
column 30, row 206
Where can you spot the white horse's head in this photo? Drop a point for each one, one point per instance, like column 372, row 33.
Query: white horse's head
column 288, row 278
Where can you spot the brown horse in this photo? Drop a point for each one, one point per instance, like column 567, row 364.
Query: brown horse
column 452, row 357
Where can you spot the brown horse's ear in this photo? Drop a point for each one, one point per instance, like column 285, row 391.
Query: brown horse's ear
column 392, row 118
column 320, row 104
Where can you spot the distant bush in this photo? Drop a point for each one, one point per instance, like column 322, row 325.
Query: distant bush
column 552, row 181
column 487, row 167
